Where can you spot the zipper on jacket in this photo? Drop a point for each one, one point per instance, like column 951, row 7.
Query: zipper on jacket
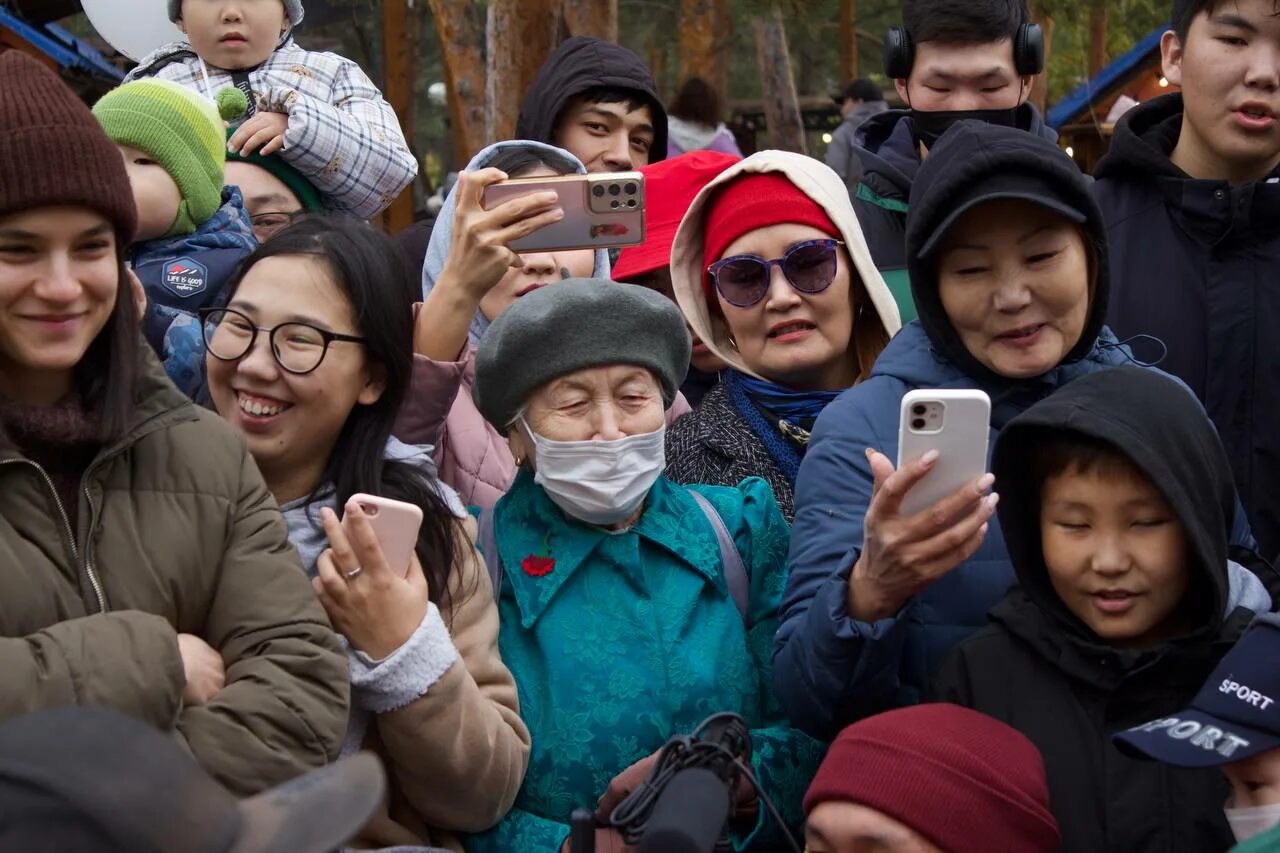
column 89, row 570
column 66, row 528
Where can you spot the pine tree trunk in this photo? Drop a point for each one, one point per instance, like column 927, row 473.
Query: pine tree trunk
column 781, row 106
column 461, row 35
column 705, row 32
column 520, row 35
column 399, row 46
column 1040, row 87
column 848, row 41
column 1097, row 37
column 597, row 18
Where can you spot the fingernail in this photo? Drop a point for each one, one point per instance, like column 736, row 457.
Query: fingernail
column 549, row 196
column 992, row 500
column 558, row 213
column 986, row 482
column 982, row 531
column 868, row 452
column 930, row 457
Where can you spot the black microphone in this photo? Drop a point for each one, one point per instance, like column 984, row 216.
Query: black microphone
column 689, row 815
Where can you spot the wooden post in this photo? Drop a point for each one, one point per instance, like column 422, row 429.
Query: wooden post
column 704, row 38
column 520, row 35
column 1040, row 88
column 781, row 106
column 397, row 87
column 461, row 34
column 597, row 18
column 1097, row 37
column 848, row 41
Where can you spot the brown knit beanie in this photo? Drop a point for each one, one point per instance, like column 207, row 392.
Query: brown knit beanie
column 966, row 782
column 54, row 151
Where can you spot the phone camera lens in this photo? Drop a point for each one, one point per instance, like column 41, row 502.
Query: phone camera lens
column 917, row 409
column 614, row 204
column 631, row 202
column 597, row 191
column 614, row 189
column 631, row 189
column 918, row 423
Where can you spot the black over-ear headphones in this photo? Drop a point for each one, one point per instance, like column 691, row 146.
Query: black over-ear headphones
column 1028, row 52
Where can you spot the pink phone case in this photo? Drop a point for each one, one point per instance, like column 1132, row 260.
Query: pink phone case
column 396, row 525
column 601, row 211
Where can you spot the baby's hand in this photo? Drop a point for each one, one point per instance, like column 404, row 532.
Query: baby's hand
column 264, row 130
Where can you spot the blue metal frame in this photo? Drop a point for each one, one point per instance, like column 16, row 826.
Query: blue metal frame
column 62, row 47
column 1078, row 101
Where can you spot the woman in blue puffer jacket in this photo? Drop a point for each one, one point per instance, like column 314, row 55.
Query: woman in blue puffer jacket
column 1008, row 261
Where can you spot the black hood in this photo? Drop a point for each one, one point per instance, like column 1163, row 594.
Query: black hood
column 1158, row 424
column 583, row 63
column 1143, row 141
column 969, row 154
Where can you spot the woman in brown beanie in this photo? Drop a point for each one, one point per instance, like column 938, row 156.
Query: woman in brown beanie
column 145, row 566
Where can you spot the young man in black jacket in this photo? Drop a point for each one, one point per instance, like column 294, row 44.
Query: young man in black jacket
column 1117, row 506
column 951, row 60
column 598, row 101
column 1191, row 194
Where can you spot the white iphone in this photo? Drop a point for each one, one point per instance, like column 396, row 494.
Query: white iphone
column 956, row 423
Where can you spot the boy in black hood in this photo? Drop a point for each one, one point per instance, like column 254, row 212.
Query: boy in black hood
column 1191, row 194
column 598, row 101
column 1117, row 505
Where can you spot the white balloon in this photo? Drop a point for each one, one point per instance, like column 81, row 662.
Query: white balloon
column 133, row 27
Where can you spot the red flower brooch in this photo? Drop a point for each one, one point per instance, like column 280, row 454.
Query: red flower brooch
column 536, row 566
column 542, row 563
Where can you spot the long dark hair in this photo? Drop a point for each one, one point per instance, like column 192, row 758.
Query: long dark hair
column 365, row 264
column 108, row 372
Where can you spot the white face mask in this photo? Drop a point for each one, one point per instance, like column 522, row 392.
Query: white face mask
column 599, row 482
column 1246, row 823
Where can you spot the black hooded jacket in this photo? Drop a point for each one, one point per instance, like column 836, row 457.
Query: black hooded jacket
column 886, row 145
column 583, row 63
column 1194, row 263
column 1042, row 671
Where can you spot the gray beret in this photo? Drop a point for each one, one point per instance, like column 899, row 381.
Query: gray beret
column 572, row 325
column 291, row 7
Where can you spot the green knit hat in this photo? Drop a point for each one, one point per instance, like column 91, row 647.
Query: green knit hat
column 180, row 129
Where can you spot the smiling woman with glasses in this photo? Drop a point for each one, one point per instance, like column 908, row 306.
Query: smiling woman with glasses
column 773, row 273
column 311, row 360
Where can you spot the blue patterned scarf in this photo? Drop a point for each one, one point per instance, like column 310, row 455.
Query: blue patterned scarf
column 798, row 408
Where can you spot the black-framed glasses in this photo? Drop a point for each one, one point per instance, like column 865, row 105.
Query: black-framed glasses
column 267, row 223
column 299, row 348
column 743, row 280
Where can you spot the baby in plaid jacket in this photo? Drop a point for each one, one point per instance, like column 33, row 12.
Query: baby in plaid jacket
column 319, row 111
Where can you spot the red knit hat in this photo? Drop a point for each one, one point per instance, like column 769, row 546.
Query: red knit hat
column 53, row 150
column 670, row 186
column 757, row 200
column 966, row 782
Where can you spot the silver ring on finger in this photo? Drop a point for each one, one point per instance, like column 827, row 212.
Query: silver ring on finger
column 353, row 574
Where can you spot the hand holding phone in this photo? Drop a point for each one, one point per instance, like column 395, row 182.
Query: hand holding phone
column 373, row 602
column 601, row 211
column 919, row 526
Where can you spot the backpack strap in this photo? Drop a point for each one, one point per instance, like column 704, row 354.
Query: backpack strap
column 735, row 574
column 488, row 537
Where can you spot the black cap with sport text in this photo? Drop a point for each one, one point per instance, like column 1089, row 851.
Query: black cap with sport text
column 96, row 781
column 1234, row 716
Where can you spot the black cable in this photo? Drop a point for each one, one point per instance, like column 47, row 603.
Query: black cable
column 683, row 752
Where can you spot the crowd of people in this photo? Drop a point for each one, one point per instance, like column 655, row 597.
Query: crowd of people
column 656, row 485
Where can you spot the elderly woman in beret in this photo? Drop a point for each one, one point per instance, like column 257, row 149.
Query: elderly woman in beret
column 631, row 608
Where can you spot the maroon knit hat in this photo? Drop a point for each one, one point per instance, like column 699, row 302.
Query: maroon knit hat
column 54, row 151
column 966, row 782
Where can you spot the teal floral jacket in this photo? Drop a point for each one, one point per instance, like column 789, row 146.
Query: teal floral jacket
column 619, row 640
